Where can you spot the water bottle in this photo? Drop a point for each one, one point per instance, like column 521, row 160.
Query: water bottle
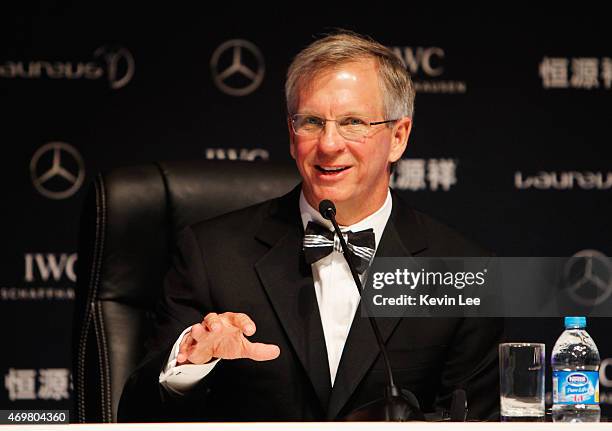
column 575, row 384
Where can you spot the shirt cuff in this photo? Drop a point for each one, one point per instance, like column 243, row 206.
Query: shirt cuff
column 180, row 379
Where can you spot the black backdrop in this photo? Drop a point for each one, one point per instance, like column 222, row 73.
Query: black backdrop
column 510, row 145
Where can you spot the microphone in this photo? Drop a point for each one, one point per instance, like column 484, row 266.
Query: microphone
column 397, row 404
column 327, row 209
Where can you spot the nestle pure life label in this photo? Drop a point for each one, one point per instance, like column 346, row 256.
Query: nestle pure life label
column 576, row 387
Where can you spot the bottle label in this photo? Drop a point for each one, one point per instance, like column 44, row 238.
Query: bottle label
column 575, row 387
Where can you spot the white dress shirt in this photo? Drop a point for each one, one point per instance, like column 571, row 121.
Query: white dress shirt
column 336, row 293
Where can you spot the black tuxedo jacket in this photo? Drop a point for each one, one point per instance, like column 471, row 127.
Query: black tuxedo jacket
column 251, row 261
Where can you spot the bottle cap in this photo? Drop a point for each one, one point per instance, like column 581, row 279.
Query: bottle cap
column 575, row 322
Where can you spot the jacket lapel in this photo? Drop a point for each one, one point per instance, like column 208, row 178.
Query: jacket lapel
column 288, row 282
column 401, row 237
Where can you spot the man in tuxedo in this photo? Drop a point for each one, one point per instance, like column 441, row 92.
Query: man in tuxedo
column 256, row 325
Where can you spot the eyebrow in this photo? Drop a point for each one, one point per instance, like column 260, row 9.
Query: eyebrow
column 357, row 113
column 346, row 114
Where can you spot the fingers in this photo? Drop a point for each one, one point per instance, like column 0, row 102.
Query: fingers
column 223, row 336
column 244, row 322
column 261, row 351
column 184, row 347
column 212, row 321
column 198, row 332
column 199, row 351
column 215, row 322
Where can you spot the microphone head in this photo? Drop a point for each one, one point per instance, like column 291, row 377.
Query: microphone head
column 327, row 209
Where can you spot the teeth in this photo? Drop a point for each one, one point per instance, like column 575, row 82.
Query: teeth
column 338, row 169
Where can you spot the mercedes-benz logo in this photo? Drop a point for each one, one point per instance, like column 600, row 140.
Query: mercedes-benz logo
column 57, row 170
column 237, row 67
column 120, row 65
column 588, row 278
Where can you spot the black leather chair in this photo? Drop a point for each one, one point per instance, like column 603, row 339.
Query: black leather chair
column 127, row 231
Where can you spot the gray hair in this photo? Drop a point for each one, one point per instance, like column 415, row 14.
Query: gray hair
column 345, row 47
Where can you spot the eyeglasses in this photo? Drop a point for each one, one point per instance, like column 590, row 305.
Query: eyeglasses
column 350, row 127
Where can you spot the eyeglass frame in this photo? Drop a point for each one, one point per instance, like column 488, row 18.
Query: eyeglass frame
column 325, row 121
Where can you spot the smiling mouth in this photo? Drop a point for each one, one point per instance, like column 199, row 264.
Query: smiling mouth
column 330, row 170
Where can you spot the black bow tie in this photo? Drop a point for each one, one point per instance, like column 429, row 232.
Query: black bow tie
column 320, row 242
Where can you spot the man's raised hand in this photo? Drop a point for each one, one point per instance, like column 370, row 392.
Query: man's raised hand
column 223, row 336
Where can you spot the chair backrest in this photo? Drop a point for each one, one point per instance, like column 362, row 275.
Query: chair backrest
column 129, row 221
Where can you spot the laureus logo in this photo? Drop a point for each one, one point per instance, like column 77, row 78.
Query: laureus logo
column 116, row 64
column 120, row 65
column 586, row 180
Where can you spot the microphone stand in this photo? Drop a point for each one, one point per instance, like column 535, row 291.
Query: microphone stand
column 397, row 404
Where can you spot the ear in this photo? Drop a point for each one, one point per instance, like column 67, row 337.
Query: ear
column 291, row 138
column 399, row 139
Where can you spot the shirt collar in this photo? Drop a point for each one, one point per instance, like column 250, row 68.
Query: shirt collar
column 376, row 221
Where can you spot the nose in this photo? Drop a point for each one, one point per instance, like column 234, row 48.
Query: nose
column 330, row 141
